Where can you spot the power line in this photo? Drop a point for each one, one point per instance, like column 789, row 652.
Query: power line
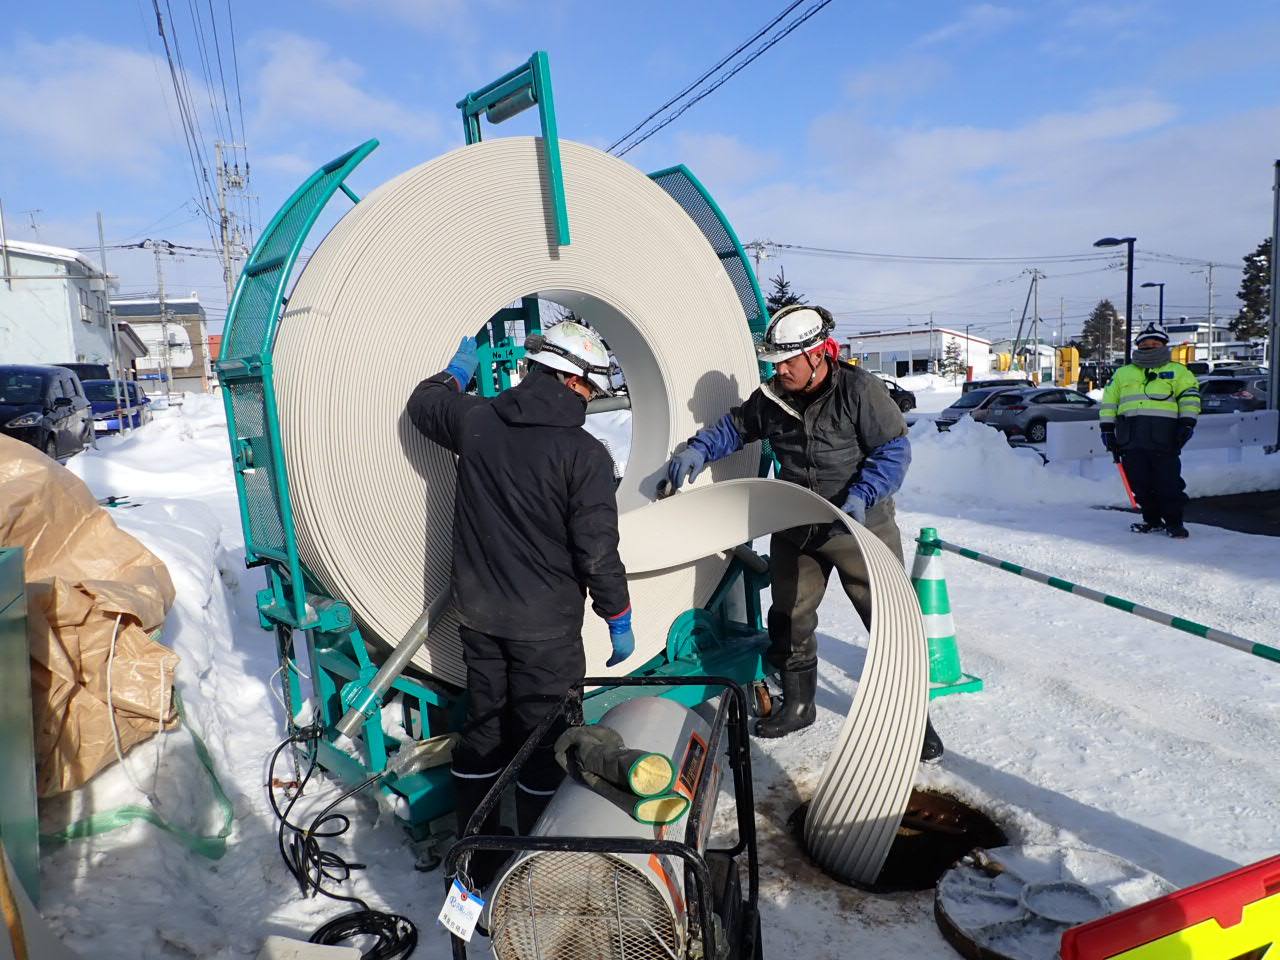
column 725, row 77
column 746, row 43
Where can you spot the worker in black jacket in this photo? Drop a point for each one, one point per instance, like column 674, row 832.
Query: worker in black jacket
column 834, row 430
column 535, row 529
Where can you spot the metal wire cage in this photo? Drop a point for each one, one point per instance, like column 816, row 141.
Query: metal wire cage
column 581, row 906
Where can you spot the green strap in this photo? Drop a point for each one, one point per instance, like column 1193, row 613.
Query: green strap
column 212, row 847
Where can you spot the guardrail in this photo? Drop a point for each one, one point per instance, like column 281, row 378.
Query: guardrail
column 1081, row 440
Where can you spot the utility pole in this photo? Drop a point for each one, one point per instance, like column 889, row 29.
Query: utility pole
column 231, row 181
column 117, row 372
column 159, row 247
column 1209, row 269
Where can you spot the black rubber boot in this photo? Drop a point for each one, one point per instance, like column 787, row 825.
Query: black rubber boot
column 529, row 807
column 798, row 711
column 932, row 749
column 1145, row 527
column 468, row 792
column 1178, row 531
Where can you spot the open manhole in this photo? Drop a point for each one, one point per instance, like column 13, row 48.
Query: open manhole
column 936, row 831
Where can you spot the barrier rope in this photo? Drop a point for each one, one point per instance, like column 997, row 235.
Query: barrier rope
column 1128, row 606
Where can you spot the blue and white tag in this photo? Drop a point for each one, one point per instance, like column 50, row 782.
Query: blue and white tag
column 461, row 911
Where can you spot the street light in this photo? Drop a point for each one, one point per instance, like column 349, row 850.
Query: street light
column 1128, row 289
column 1161, row 286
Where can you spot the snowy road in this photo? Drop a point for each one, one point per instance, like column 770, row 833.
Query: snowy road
column 1095, row 728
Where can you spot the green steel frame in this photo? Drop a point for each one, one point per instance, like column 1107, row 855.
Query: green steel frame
column 723, row 638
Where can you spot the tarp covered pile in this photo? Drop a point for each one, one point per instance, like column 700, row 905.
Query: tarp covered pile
column 91, row 587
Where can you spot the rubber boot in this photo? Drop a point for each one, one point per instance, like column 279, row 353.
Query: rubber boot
column 932, row 749
column 529, row 807
column 468, row 792
column 798, row 711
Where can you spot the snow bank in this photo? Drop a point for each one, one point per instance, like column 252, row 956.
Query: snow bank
column 972, row 463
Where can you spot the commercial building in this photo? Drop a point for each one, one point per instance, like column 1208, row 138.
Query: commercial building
column 921, row 350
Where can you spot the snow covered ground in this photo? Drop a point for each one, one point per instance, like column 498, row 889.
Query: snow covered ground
column 1095, row 729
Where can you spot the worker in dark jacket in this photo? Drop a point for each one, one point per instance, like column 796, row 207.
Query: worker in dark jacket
column 1148, row 413
column 535, row 530
column 836, row 431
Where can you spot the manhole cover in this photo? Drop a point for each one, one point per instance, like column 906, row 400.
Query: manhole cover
column 1014, row 903
column 935, row 832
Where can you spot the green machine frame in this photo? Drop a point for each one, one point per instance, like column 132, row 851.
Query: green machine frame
column 724, row 638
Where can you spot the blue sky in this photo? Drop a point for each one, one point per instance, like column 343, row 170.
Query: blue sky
column 936, row 128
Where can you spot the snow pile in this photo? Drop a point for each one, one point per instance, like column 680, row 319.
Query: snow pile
column 973, row 464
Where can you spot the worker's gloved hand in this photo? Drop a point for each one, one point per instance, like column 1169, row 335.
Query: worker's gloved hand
column 620, row 635
column 689, row 461
column 1185, row 429
column 1109, row 438
column 463, row 365
column 855, row 507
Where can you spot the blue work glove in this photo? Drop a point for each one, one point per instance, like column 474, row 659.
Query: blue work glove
column 621, row 636
column 690, row 461
column 1109, row 438
column 463, row 365
column 855, row 507
column 1185, row 429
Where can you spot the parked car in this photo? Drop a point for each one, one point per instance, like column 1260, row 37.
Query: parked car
column 1243, row 370
column 904, row 398
column 1207, row 368
column 45, row 407
column 983, row 384
column 1221, row 394
column 975, row 403
column 88, row 371
column 134, row 406
column 1025, row 413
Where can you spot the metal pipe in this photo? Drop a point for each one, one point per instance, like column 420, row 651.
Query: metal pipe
column 1128, row 606
column 391, row 669
column 4, row 249
column 1273, row 394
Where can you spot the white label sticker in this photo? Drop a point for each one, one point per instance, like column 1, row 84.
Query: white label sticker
column 461, row 911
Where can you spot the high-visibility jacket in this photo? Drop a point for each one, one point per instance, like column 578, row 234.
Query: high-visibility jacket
column 1144, row 404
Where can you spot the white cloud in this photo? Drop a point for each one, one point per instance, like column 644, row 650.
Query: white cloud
column 305, row 86
column 724, row 159
column 983, row 19
column 1050, row 186
column 897, row 81
column 89, row 108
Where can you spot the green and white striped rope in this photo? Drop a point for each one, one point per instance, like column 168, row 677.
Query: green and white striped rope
column 1128, row 606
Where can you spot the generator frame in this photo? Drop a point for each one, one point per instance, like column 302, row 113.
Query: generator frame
column 731, row 717
column 725, row 637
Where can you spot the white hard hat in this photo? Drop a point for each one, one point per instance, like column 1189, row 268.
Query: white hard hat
column 793, row 330
column 572, row 348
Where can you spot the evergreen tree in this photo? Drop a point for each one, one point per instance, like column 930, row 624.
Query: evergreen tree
column 953, row 364
column 1255, row 292
column 1103, row 333
column 781, row 295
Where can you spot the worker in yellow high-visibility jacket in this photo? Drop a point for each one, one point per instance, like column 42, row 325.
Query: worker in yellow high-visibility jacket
column 1148, row 414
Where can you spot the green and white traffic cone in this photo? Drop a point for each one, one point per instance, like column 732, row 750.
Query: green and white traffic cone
column 945, row 675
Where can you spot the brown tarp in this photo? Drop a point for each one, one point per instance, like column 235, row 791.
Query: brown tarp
column 87, row 581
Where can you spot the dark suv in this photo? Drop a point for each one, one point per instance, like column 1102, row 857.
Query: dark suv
column 45, row 407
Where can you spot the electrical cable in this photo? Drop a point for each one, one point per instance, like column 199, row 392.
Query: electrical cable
column 395, row 937
column 746, row 43
column 725, row 77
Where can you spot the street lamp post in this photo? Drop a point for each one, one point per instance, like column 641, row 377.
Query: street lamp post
column 1128, row 289
column 1161, row 286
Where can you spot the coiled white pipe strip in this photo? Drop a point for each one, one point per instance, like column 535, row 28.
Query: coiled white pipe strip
column 864, row 788
column 428, row 258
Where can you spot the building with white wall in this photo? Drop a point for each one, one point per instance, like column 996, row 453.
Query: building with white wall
column 177, row 342
column 53, row 306
column 921, row 350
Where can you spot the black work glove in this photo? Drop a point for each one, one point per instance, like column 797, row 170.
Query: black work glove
column 1186, row 428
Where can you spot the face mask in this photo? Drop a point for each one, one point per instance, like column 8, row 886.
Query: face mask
column 1152, row 356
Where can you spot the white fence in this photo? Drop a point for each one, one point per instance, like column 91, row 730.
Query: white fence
column 1080, row 441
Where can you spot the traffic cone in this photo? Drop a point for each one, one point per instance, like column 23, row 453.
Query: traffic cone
column 945, row 675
